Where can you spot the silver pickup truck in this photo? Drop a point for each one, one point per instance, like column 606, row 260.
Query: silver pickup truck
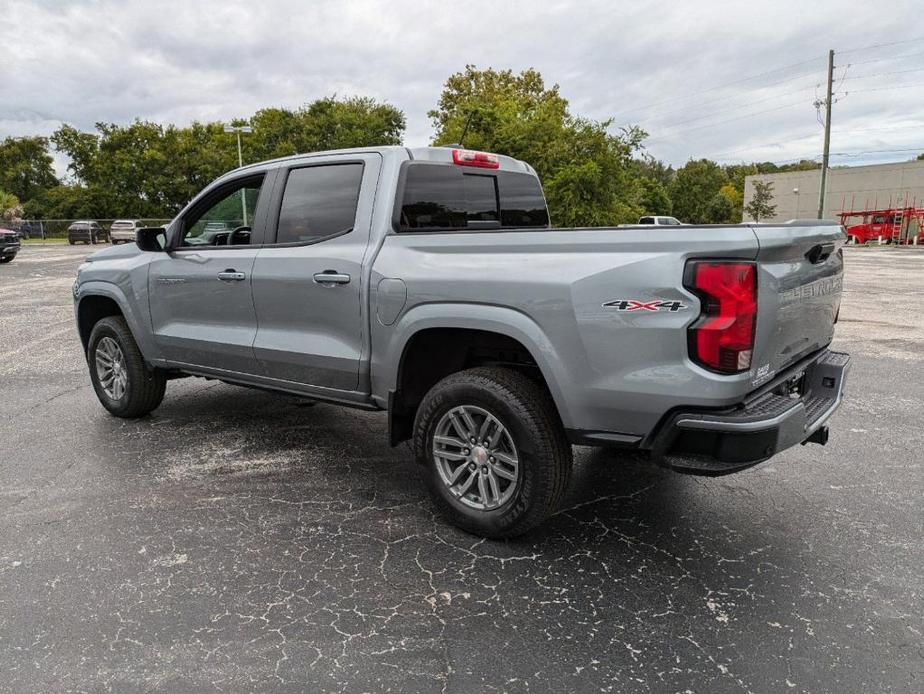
column 428, row 283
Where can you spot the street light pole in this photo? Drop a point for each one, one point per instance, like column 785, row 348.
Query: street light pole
column 238, row 129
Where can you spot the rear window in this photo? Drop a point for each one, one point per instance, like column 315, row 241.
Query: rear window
column 442, row 198
column 319, row 202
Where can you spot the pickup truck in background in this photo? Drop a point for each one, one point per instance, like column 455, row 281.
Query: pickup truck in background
column 660, row 221
column 428, row 283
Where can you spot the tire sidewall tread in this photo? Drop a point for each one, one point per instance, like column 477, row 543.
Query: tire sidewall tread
column 528, row 412
column 145, row 388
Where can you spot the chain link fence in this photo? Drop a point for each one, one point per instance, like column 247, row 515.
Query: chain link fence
column 55, row 230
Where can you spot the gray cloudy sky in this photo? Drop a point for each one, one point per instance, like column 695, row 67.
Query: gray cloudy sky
column 663, row 66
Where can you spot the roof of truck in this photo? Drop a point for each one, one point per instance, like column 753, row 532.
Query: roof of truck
column 433, row 154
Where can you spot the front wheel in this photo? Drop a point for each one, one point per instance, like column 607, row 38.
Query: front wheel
column 123, row 383
column 494, row 453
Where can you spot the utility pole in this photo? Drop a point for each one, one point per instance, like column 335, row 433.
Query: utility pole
column 238, row 129
column 827, row 151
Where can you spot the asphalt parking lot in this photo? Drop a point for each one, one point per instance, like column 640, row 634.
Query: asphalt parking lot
column 239, row 541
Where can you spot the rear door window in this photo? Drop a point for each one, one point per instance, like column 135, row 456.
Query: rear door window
column 319, row 202
column 521, row 199
column 443, row 198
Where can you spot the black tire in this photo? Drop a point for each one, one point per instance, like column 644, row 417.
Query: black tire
column 7, row 259
column 71, row 242
column 144, row 390
column 528, row 413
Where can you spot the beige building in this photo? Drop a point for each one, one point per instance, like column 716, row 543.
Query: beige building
column 878, row 186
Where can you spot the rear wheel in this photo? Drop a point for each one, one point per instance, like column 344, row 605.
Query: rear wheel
column 7, row 258
column 493, row 450
column 122, row 381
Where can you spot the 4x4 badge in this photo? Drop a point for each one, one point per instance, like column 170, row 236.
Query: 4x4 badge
column 636, row 305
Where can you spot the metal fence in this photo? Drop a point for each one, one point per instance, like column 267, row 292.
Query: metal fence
column 53, row 229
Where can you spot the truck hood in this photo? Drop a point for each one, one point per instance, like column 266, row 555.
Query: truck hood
column 123, row 250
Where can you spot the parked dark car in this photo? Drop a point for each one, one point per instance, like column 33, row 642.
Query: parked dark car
column 24, row 229
column 87, row 232
column 9, row 245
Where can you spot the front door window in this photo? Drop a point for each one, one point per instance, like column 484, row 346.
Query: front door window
column 226, row 221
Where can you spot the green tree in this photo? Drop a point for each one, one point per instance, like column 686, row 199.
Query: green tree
column 693, row 192
column 585, row 169
column 654, row 198
column 146, row 169
column 720, row 210
column 759, row 207
column 9, row 206
column 25, row 166
column 646, row 166
column 70, row 202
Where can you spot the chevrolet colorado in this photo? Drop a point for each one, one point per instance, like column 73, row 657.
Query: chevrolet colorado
column 428, row 283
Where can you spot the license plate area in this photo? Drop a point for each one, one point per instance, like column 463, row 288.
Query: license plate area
column 793, row 387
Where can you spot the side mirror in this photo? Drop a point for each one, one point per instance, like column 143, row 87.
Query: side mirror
column 152, row 239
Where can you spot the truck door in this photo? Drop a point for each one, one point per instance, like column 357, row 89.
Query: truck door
column 880, row 227
column 308, row 286
column 200, row 290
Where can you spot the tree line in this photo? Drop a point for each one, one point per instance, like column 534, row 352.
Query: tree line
column 592, row 173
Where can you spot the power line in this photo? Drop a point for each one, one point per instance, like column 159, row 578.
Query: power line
column 878, row 151
column 882, row 60
column 761, row 146
column 890, row 128
column 712, row 114
column 809, row 157
column 885, row 74
column 880, row 45
column 718, row 86
column 729, row 120
column 885, row 89
column 725, row 110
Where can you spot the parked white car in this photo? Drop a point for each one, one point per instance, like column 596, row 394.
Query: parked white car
column 123, row 230
column 660, row 221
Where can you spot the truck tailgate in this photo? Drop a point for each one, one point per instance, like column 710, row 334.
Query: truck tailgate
column 799, row 292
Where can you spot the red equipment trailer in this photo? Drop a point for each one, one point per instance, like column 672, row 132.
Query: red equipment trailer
column 898, row 225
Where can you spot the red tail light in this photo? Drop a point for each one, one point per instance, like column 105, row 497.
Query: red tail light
column 469, row 157
column 723, row 338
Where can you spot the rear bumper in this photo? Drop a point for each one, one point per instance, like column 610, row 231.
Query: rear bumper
column 770, row 421
column 7, row 251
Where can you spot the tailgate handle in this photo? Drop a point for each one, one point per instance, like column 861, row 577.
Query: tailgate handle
column 820, row 253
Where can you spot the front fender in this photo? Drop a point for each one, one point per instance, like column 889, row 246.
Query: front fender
column 134, row 310
column 497, row 319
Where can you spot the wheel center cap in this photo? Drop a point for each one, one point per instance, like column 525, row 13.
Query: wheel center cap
column 479, row 455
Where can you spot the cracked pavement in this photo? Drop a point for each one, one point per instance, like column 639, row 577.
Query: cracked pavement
column 241, row 541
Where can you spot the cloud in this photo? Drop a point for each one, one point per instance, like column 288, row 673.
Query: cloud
column 660, row 65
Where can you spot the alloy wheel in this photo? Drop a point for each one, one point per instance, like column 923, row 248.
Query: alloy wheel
column 476, row 457
column 110, row 368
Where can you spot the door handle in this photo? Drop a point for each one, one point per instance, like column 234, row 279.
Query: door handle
column 331, row 277
column 231, row 276
column 819, row 253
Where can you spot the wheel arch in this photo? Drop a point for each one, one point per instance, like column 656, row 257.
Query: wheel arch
column 463, row 336
column 97, row 300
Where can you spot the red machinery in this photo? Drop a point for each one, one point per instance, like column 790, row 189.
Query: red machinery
column 898, row 225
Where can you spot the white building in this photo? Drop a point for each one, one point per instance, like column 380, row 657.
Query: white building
column 873, row 187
